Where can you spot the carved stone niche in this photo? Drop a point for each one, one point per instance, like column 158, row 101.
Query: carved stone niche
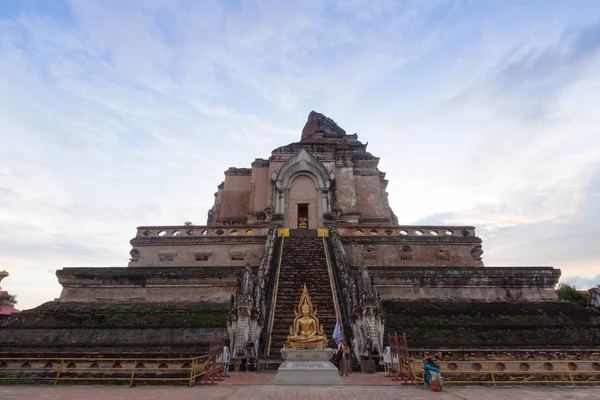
column 369, row 253
column 406, row 253
column 202, row 255
column 167, row 255
column 443, row 254
column 238, row 254
column 255, row 217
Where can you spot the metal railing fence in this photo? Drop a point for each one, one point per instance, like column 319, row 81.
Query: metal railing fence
column 129, row 370
column 500, row 372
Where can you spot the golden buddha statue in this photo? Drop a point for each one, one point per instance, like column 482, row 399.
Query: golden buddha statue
column 306, row 332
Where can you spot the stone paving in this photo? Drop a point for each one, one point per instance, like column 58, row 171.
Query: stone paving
column 258, row 386
column 92, row 392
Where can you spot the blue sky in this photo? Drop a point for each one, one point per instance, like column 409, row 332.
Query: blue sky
column 115, row 114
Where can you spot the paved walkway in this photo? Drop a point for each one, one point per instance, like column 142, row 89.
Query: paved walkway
column 259, row 386
column 268, row 379
column 93, row 392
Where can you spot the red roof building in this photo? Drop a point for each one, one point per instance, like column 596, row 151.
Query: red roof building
column 6, row 310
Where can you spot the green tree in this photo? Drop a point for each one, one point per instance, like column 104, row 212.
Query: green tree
column 567, row 292
column 9, row 299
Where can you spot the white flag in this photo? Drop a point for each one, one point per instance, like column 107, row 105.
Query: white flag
column 337, row 333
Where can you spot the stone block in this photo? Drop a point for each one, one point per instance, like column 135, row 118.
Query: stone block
column 307, row 367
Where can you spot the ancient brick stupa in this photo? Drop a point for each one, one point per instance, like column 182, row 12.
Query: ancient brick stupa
column 314, row 212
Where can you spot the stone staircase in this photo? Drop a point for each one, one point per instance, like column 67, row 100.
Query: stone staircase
column 303, row 261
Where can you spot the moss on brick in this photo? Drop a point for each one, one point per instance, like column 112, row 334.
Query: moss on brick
column 434, row 324
column 130, row 314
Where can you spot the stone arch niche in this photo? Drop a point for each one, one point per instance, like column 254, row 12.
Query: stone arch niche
column 303, row 179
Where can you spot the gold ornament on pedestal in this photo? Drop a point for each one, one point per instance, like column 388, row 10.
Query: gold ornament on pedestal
column 305, row 332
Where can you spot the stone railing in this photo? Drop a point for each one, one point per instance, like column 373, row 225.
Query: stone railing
column 201, row 231
column 249, row 313
column 407, row 230
column 343, row 280
column 360, row 309
column 261, row 230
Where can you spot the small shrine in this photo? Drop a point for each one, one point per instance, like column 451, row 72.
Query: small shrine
column 306, row 356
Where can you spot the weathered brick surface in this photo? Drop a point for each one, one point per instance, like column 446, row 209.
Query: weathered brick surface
column 359, row 190
column 459, row 284
column 218, row 254
column 494, row 326
column 114, row 328
column 151, row 284
column 260, row 186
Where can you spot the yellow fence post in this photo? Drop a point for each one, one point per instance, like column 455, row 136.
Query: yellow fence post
column 493, row 378
column 412, row 371
column 416, row 383
column 571, row 375
column 62, row 362
column 192, row 371
column 132, row 373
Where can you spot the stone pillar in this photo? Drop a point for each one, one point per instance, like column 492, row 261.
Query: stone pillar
column 280, row 206
column 325, row 201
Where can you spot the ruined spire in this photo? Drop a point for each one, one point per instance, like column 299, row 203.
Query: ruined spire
column 318, row 126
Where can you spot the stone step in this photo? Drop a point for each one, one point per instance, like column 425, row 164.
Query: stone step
column 288, row 308
column 322, row 320
column 303, row 262
column 289, row 294
column 284, row 330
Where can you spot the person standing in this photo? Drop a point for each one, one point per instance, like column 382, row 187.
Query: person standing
column 344, row 352
column 433, row 378
column 224, row 359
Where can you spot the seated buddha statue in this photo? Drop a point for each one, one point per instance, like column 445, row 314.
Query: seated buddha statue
column 306, row 332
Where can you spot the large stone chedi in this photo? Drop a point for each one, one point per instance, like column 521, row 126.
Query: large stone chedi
column 314, row 212
column 327, row 177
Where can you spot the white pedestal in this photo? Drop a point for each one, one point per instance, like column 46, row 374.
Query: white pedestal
column 307, row 367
